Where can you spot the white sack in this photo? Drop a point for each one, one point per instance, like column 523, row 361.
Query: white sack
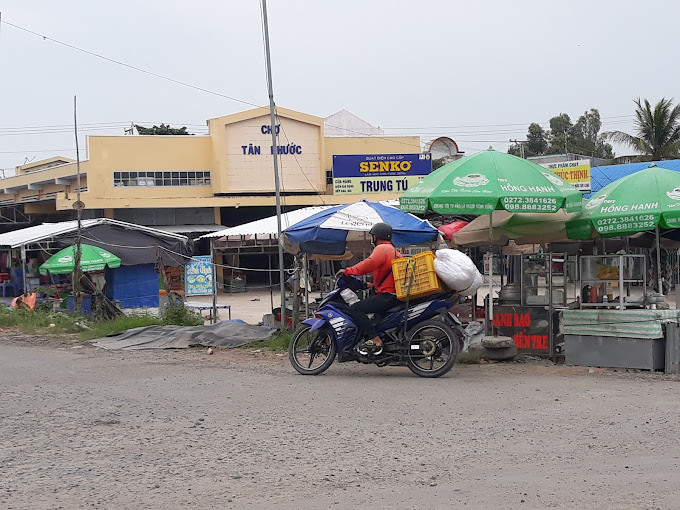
column 476, row 284
column 455, row 269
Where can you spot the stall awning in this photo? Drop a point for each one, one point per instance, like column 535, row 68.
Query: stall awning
column 37, row 233
column 268, row 226
column 190, row 229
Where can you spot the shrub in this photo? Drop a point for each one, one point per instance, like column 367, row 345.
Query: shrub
column 179, row 316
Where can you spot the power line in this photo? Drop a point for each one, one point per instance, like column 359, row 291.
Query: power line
column 118, row 62
column 202, row 89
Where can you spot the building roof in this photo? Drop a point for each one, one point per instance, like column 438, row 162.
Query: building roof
column 344, row 123
column 600, row 176
column 37, row 233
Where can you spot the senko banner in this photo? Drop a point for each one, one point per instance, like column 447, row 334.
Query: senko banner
column 361, row 174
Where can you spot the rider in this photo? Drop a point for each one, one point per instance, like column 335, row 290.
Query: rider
column 380, row 264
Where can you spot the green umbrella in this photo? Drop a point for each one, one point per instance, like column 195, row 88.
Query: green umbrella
column 488, row 181
column 637, row 202
column 491, row 180
column 92, row 258
column 645, row 200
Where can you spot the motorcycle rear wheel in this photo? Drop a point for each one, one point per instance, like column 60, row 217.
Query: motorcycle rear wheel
column 433, row 348
column 308, row 346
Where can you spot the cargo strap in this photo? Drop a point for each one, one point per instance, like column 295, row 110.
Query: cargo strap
column 408, row 289
column 386, row 274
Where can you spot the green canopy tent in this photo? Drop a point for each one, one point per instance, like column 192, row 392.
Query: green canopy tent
column 489, row 181
column 646, row 200
column 92, row 258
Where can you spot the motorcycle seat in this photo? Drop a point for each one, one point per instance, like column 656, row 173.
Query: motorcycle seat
column 396, row 308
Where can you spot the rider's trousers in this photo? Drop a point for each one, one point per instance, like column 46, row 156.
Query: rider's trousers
column 374, row 304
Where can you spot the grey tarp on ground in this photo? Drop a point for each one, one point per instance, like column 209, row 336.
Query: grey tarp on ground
column 221, row 334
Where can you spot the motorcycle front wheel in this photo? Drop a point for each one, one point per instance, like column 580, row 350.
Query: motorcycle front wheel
column 432, row 348
column 312, row 352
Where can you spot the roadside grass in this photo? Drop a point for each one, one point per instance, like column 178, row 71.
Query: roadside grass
column 39, row 321
column 278, row 342
column 118, row 325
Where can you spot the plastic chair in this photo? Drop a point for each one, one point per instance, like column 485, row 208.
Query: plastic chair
column 8, row 285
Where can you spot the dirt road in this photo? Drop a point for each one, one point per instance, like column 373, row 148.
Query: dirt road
column 84, row 428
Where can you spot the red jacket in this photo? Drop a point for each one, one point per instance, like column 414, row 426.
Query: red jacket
column 379, row 263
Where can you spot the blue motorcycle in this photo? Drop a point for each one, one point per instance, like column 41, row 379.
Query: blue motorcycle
column 421, row 334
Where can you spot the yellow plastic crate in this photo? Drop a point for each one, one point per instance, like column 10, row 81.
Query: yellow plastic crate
column 415, row 277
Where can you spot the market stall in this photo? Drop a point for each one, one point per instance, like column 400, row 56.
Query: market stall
column 484, row 183
column 619, row 323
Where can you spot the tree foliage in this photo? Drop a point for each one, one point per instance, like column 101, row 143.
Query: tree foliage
column 163, row 129
column 657, row 131
column 564, row 136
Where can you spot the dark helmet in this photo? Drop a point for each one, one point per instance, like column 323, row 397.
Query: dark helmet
column 381, row 231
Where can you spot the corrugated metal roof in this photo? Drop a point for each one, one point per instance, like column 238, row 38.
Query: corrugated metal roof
column 268, row 226
column 186, row 229
column 45, row 231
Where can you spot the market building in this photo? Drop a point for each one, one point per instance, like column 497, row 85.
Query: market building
column 194, row 184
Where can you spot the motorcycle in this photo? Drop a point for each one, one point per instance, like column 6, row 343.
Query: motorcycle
column 421, row 334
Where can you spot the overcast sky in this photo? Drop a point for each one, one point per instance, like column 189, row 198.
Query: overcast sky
column 478, row 71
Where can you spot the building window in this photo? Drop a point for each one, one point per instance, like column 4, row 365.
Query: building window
column 161, row 179
column 329, row 177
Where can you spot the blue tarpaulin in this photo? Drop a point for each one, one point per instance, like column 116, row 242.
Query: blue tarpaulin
column 326, row 232
column 600, row 176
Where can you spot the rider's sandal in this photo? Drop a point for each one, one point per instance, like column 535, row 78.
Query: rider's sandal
column 372, row 347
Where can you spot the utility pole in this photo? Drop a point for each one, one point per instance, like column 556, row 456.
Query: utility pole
column 265, row 28
column 78, row 205
column 521, row 144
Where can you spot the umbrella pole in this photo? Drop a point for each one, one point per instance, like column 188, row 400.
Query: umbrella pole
column 658, row 260
column 23, row 268
column 490, row 318
column 307, row 285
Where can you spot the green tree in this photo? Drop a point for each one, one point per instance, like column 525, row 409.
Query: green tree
column 657, row 131
column 584, row 137
column 163, row 129
column 560, row 130
column 536, row 144
column 564, row 136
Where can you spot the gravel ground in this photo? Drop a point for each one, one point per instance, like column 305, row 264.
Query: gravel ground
column 87, row 428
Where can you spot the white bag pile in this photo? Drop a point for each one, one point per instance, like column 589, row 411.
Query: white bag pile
column 457, row 271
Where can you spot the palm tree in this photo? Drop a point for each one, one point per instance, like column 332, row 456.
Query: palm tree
column 657, row 131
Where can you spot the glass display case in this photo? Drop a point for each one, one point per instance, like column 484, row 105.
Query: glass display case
column 613, row 281
column 545, row 275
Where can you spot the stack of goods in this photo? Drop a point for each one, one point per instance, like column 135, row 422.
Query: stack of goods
column 458, row 272
column 425, row 274
column 607, row 272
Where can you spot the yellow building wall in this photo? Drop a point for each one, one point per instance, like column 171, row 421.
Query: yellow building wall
column 241, row 170
column 234, row 173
